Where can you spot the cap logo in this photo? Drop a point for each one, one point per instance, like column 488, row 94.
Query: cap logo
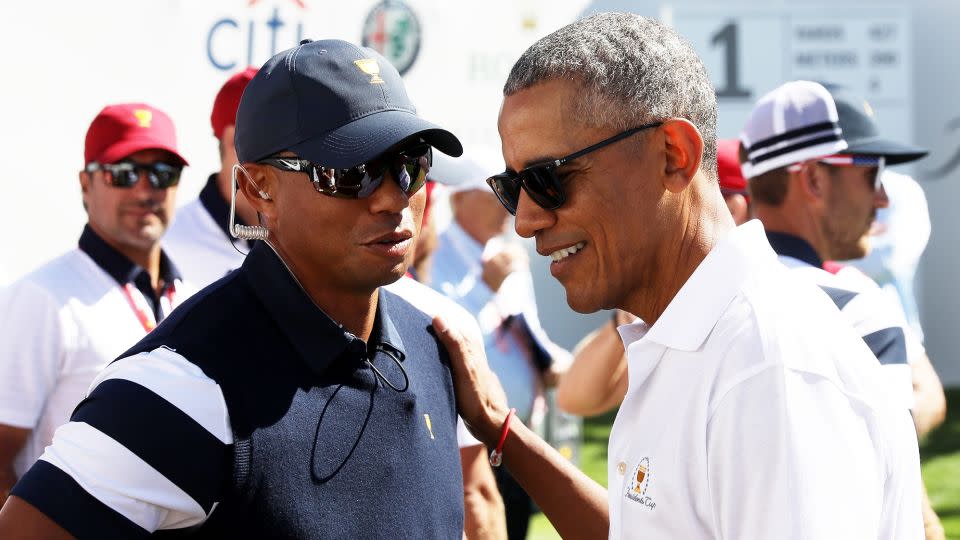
column 372, row 68
column 867, row 109
column 144, row 117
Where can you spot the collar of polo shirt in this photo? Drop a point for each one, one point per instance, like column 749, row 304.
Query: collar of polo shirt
column 314, row 335
column 119, row 266
column 695, row 310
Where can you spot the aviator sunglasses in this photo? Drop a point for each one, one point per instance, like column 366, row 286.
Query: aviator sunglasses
column 125, row 174
column 409, row 166
column 541, row 181
column 852, row 160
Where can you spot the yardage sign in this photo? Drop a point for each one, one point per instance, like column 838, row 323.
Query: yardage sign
column 749, row 50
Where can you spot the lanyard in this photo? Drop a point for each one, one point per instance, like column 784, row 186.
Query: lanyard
column 140, row 308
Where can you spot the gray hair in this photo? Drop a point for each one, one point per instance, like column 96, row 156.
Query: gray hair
column 634, row 70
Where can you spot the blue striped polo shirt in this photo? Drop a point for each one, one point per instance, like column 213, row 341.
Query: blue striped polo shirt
column 250, row 413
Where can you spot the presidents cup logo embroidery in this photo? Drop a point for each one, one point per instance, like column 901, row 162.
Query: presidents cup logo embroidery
column 426, row 419
column 371, row 68
column 144, row 117
column 639, row 482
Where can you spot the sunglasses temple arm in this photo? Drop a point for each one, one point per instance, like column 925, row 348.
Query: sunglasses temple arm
column 605, row 142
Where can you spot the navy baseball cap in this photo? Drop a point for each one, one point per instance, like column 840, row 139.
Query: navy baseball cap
column 333, row 103
column 803, row 120
column 860, row 129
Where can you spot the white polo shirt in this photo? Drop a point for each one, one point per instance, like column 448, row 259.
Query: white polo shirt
column 754, row 412
column 59, row 326
column 199, row 238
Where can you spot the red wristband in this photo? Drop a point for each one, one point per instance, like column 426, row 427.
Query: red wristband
column 496, row 456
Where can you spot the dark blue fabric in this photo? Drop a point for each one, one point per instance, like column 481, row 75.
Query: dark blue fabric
column 860, row 129
column 63, row 500
column 218, row 207
column 535, row 343
column 794, row 246
column 840, row 297
column 170, row 430
column 123, row 270
column 888, row 345
column 323, row 449
column 318, row 101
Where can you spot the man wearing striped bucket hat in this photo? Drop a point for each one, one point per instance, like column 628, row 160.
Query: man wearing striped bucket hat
column 814, row 159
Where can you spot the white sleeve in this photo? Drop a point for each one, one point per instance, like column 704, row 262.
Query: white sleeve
column 115, row 458
column 789, row 457
column 465, row 439
column 31, row 352
column 872, row 310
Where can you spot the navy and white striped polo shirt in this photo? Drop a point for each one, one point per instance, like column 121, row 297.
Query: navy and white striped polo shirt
column 248, row 412
column 880, row 322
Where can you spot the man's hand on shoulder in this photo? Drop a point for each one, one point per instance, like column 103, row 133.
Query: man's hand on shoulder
column 481, row 400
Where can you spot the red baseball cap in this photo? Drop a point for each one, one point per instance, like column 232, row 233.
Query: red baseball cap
column 121, row 130
column 228, row 100
column 728, row 166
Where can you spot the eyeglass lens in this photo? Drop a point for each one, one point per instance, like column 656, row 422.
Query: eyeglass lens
column 127, row 174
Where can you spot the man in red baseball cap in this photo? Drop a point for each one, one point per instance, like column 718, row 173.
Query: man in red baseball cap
column 733, row 185
column 200, row 240
column 64, row 322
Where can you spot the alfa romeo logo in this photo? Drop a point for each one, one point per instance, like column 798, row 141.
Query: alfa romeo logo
column 393, row 30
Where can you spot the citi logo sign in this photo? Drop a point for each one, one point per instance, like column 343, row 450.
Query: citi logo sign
column 268, row 28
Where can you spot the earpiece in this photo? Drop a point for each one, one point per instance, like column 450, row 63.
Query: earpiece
column 245, row 232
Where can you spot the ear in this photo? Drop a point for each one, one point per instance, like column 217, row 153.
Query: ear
column 813, row 182
column 257, row 186
column 683, row 145
column 738, row 206
column 85, row 180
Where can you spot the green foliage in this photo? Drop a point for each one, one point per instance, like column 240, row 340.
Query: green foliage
column 940, row 460
column 593, row 461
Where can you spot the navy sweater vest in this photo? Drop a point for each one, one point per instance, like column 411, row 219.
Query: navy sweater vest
column 323, row 453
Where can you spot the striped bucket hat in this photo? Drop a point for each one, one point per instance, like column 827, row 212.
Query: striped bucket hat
column 804, row 120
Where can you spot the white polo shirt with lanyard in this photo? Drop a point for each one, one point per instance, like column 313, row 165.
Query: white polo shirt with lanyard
column 64, row 322
column 199, row 238
column 754, row 411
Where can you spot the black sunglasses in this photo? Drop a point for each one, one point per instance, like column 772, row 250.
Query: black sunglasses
column 541, row 181
column 409, row 166
column 125, row 174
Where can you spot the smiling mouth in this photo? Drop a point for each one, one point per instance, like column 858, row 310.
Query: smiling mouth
column 563, row 253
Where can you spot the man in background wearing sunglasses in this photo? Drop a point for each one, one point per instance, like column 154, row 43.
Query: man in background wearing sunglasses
column 199, row 238
column 295, row 398
column 752, row 410
column 67, row 320
column 814, row 158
